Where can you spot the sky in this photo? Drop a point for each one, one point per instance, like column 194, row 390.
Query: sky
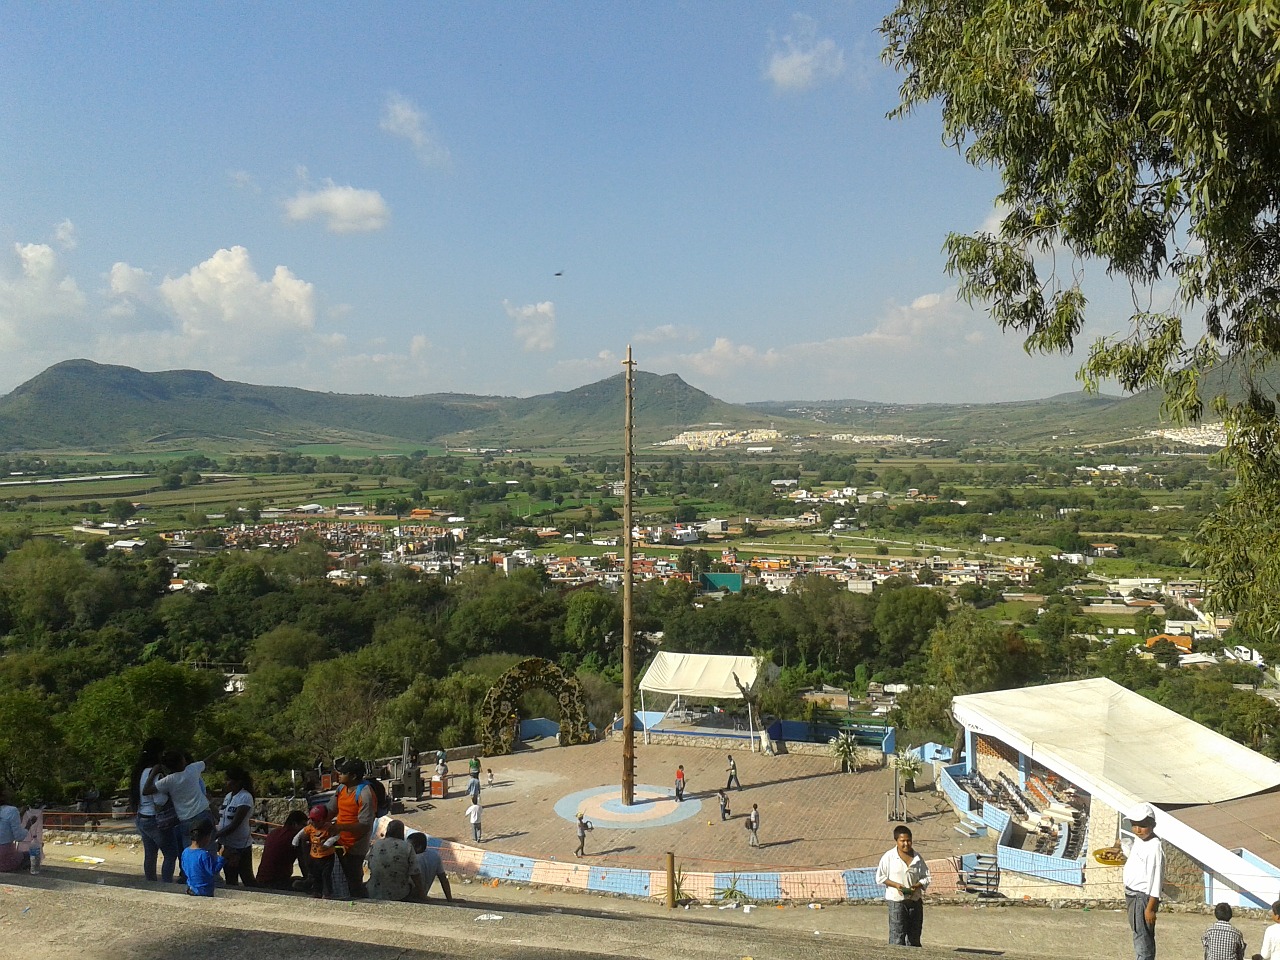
column 489, row 198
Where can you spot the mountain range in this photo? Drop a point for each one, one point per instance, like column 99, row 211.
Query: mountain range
column 87, row 406
column 83, row 405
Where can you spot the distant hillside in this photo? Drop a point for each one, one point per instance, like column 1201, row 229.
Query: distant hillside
column 84, row 405
column 1078, row 414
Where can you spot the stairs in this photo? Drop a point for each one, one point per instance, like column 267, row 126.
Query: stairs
column 984, row 879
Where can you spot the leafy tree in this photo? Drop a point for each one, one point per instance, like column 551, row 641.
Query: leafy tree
column 1165, row 652
column 923, row 713
column 967, row 654
column 110, row 718
column 337, row 710
column 121, row 510
column 48, row 587
column 1142, row 135
column 593, row 624
column 904, row 618
column 288, row 646
column 31, row 750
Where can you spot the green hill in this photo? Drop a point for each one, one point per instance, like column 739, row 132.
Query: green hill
column 87, row 406
column 83, row 405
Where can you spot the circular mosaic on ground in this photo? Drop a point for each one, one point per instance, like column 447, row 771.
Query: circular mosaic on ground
column 603, row 806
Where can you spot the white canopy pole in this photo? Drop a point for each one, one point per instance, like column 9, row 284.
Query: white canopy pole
column 644, row 716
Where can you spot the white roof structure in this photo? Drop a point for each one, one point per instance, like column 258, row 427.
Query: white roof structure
column 699, row 675
column 1117, row 744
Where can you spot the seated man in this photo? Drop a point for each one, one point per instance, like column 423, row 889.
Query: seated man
column 275, row 869
column 430, row 868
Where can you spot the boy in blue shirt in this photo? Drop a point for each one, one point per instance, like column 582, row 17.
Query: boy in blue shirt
column 200, row 865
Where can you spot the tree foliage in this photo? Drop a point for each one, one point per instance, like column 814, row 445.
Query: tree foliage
column 1144, row 135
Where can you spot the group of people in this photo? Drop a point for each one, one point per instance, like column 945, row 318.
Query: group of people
column 174, row 818
column 330, row 843
column 722, row 798
column 905, row 876
column 1144, row 888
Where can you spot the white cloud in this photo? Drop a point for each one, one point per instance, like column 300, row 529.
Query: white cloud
column 220, row 315
column 665, row 333
column 64, row 234
column 127, row 281
column 934, row 348
column 39, row 302
column 402, row 118
column 344, row 209
column 224, row 298
column 535, row 325
column 803, row 60
column 991, row 223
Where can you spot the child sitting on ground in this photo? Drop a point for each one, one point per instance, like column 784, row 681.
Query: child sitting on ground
column 199, row 864
column 324, row 845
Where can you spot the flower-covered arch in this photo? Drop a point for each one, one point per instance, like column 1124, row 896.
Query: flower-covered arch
column 501, row 723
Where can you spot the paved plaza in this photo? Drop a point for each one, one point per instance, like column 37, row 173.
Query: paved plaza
column 811, row 815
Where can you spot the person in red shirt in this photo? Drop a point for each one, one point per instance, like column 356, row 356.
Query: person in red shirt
column 275, row 869
column 680, row 783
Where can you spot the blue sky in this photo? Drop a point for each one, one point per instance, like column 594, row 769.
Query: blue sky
column 378, row 198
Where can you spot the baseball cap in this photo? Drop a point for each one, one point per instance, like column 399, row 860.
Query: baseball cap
column 1140, row 813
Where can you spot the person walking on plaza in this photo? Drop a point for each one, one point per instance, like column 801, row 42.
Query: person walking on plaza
column 473, row 814
column 753, row 826
column 1222, row 941
column 733, row 774
column 1143, row 878
column 583, row 826
column 680, row 784
column 724, row 804
column 1271, row 937
column 904, row 875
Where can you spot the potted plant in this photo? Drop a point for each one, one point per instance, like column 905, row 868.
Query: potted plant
column 844, row 747
column 908, row 766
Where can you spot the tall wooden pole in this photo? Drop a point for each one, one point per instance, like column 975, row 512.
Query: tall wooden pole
column 628, row 668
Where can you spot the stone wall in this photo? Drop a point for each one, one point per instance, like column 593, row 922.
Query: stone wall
column 995, row 758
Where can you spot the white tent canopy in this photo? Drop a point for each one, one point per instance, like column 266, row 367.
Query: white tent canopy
column 1117, row 744
column 699, row 675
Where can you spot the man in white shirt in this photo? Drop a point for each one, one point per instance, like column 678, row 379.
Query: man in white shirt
column 904, row 875
column 1143, row 878
column 473, row 814
column 1271, row 938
